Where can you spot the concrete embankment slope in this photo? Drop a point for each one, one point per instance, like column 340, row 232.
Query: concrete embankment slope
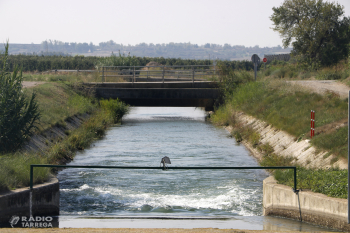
column 280, row 200
column 286, row 145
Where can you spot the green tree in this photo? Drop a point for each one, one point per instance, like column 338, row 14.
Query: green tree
column 318, row 31
column 120, row 60
column 18, row 115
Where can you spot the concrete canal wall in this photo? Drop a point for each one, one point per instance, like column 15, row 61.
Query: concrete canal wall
column 280, row 200
column 46, row 201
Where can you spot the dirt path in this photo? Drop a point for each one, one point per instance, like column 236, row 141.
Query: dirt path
column 26, row 84
column 322, row 86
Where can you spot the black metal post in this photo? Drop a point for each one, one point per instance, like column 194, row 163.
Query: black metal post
column 348, row 158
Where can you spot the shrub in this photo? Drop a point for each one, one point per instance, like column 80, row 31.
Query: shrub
column 280, row 73
column 329, row 75
column 116, row 107
column 230, row 79
column 17, row 114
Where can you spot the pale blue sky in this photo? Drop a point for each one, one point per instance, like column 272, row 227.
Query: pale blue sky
column 235, row 22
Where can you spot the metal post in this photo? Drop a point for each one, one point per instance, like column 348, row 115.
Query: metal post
column 147, row 74
column 295, row 179
column 348, row 159
column 255, row 69
column 312, row 130
column 103, row 73
column 106, row 75
column 163, row 74
column 134, row 74
column 311, row 126
column 31, row 192
column 192, row 74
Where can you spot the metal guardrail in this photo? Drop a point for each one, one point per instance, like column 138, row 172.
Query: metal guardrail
column 32, row 166
column 189, row 72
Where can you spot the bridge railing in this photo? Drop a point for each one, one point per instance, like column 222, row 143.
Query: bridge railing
column 157, row 73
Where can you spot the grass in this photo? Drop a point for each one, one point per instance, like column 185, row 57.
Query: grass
column 82, row 137
column 62, row 77
column 293, row 70
column 335, row 142
column 14, row 172
column 331, row 182
column 15, row 167
column 288, row 108
column 57, row 102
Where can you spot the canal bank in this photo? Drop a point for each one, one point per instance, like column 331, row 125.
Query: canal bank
column 187, row 142
column 56, row 143
column 280, row 200
column 147, row 135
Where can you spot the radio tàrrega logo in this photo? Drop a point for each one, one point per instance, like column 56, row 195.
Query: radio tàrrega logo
column 37, row 221
column 14, row 220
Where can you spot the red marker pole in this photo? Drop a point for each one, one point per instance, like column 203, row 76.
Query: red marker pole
column 312, row 129
column 313, row 126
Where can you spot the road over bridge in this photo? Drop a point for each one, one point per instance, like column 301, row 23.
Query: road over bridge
column 160, row 94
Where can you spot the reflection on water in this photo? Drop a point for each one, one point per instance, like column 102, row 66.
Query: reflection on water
column 147, row 135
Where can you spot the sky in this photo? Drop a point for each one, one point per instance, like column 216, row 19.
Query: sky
column 235, row 22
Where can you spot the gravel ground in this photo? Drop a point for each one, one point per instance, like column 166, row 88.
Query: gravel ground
column 26, row 84
column 321, row 86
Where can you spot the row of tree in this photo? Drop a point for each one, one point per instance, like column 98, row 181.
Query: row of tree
column 44, row 63
column 182, row 50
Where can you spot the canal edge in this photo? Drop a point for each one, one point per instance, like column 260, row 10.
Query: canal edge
column 280, row 200
column 46, row 201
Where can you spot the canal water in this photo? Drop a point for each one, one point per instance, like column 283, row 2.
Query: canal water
column 96, row 196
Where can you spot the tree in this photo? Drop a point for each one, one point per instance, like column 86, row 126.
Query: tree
column 318, row 31
column 18, row 115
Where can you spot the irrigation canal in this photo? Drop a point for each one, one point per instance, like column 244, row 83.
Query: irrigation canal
column 172, row 198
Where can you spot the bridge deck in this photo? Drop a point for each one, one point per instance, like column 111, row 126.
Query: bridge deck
column 167, row 94
column 188, row 84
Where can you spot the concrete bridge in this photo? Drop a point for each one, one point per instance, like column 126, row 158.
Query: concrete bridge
column 160, row 94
